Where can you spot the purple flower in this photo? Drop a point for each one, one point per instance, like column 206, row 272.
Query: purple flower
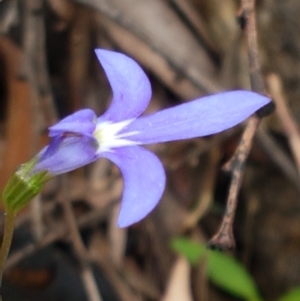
column 82, row 138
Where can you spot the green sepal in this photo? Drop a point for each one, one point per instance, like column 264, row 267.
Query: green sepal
column 23, row 186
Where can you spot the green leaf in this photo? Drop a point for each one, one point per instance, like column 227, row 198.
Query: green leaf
column 222, row 270
column 192, row 251
column 229, row 274
column 293, row 295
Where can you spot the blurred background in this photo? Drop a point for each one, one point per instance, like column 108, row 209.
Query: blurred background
column 188, row 48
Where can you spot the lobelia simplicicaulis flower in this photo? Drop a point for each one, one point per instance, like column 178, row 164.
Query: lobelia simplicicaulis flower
column 82, row 138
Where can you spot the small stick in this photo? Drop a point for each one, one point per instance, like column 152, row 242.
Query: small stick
column 80, row 251
column 257, row 83
column 224, row 238
column 287, row 120
column 278, row 156
column 205, row 194
column 57, row 233
column 33, row 45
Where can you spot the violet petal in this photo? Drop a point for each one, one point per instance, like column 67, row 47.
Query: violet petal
column 66, row 153
column 82, row 122
column 201, row 117
column 144, row 182
column 130, row 85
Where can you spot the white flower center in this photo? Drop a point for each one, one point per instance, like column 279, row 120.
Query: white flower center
column 107, row 136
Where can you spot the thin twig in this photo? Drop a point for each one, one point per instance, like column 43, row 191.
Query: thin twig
column 35, row 55
column 256, row 79
column 59, row 232
column 205, row 196
column 224, row 238
column 32, row 16
column 80, row 251
column 117, row 239
column 287, row 120
column 32, row 40
column 278, row 156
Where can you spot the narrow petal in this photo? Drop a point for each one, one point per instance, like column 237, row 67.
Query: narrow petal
column 82, row 122
column 130, row 85
column 65, row 154
column 144, row 182
column 201, row 117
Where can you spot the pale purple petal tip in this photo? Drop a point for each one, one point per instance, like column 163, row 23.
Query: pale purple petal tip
column 201, row 117
column 130, row 85
column 82, row 122
column 144, row 182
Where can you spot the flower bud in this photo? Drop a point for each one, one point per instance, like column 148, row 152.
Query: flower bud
column 22, row 186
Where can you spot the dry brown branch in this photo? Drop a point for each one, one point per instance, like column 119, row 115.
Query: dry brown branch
column 35, row 71
column 129, row 281
column 287, row 120
column 278, row 156
column 224, row 238
column 58, row 232
column 189, row 62
column 192, row 18
column 257, row 83
column 117, row 239
column 80, row 251
column 205, row 197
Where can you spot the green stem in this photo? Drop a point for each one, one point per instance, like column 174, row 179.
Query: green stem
column 7, row 239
